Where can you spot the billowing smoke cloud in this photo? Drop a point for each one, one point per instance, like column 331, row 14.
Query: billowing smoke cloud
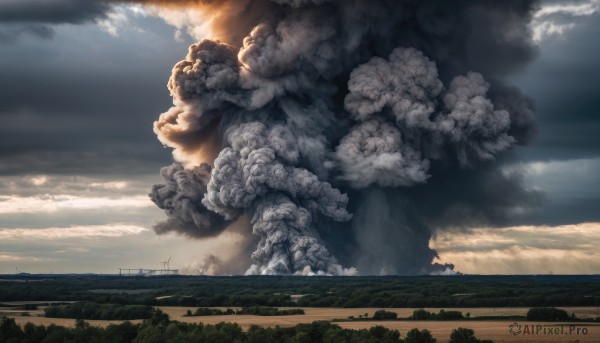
column 258, row 172
column 343, row 127
column 405, row 89
column 374, row 153
column 181, row 198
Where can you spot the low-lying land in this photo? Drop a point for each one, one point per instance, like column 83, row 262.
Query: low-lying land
column 159, row 328
column 281, row 291
column 496, row 330
column 317, row 313
column 87, row 310
column 496, row 307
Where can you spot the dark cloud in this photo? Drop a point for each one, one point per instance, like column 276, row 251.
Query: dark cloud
column 35, row 18
column 71, row 161
column 571, row 190
column 564, row 82
column 569, row 210
column 52, row 11
column 85, row 108
column 41, row 135
column 487, row 196
column 12, row 32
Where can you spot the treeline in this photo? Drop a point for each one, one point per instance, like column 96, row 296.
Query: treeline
column 87, row 310
column 384, row 315
column 276, row 291
column 441, row 315
column 203, row 311
column 548, row 314
column 269, row 311
column 254, row 310
column 159, row 328
column 551, row 314
column 417, row 315
column 378, row 315
column 539, row 314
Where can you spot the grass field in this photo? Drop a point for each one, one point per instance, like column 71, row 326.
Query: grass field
column 495, row 330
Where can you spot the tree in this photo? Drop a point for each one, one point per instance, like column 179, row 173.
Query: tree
column 121, row 333
column 421, row 315
column 417, row 336
column 159, row 318
column 81, row 324
column 33, row 333
column 549, row 314
column 463, row 335
column 10, row 331
column 385, row 315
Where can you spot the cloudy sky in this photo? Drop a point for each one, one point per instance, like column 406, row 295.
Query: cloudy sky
column 81, row 83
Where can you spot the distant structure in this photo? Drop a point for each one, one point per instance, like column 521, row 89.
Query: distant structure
column 146, row 272
column 166, row 263
column 166, row 270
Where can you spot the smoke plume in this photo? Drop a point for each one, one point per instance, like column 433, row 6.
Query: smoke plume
column 347, row 131
column 181, row 198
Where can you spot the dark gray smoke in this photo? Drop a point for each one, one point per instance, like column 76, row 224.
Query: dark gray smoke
column 181, row 198
column 259, row 172
column 328, row 108
column 374, row 153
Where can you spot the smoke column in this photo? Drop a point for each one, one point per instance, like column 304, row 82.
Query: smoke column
column 348, row 131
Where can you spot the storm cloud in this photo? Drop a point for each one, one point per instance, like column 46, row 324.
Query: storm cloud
column 35, row 17
column 52, row 11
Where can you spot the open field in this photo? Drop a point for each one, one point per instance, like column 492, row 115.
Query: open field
column 493, row 329
column 326, row 313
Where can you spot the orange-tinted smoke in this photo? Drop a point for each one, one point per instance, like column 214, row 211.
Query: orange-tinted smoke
column 230, row 20
column 225, row 20
column 191, row 147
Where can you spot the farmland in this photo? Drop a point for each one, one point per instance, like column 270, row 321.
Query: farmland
column 327, row 299
column 496, row 330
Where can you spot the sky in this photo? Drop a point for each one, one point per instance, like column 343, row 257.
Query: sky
column 81, row 84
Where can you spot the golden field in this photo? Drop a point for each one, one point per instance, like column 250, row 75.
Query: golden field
column 496, row 330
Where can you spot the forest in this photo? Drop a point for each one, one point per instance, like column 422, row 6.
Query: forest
column 253, row 310
column 88, row 310
column 294, row 291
